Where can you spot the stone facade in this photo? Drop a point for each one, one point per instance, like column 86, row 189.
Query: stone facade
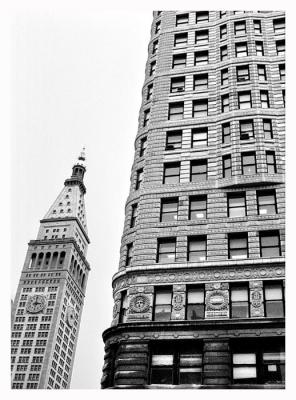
column 254, row 104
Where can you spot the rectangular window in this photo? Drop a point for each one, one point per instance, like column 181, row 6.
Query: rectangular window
column 179, row 60
column 134, row 215
column 200, row 81
column 197, row 207
column 267, row 129
column 244, row 100
column 241, row 49
column 242, row 73
column 225, row 103
column 226, row 164
column 240, row 28
column 155, row 47
column 178, row 84
column 246, row 128
column 181, row 39
column 149, row 91
column 237, row 246
column 162, row 367
column 198, row 170
column 284, row 97
column 146, row 117
column 274, row 299
column 261, row 73
column 201, row 57
column 162, row 304
column 202, row 16
column 236, row 205
column 195, row 303
column 171, row 173
column 182, row 19
column 139, row 178
column 176, row 111
column 152, row 68
column 197, row 248
column 224, row 76
column 239, row 299
column 200, row 108
column 223, row 31
column 270, row 162
column 249, row 163
column 169, row 210
column 143, row 146
column 257, row 27
column 259, row 49
column 199, row 137
column 270, row 244
column 266, row 201
column 223, row 53
column 166, row 252
column 202, row 37
column 244, row 368
column 157, row 27
column 129, row 254
column 226, row 135
column 280, row 47
column 282, row 71
column 173, row 140
column 279, row 26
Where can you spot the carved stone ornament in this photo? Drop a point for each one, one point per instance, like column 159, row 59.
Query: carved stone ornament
column 217, row 300
column 177, row 302
column 256, row 298
column 139, row 304
column 116, row 308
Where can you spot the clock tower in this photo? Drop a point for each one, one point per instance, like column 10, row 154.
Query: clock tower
column 48, row 304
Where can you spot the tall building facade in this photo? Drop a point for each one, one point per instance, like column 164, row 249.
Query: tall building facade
column 49, row 300
column 199, row 294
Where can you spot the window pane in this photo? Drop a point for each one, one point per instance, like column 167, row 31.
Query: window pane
column 236, row 201
column 195, row 311
column 195, row 245
column 274, row 309
column 195, row 296
column 197, row 214
column 166, row 247
column 162, row 376
column 244, row 372
column 278, row 356
column 162, row 313
column 244, row 358
column 170, row 171
column 166, row 258
column 239, row 294
column 270, row 252
column 273, row 292
column 197, row 256
column 163, row 297
column 162, row 359
column 267, row 209
column 238, row 243
column 190, row 360
column 171, row 179
column 237, row 212
column 238, row 254
column 240, row 310
column 190, row 376
column 169, row 207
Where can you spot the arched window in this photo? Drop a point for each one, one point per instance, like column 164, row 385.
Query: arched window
column 32, row 261
column 47, row 258
column 62, row 258
column 82, row 282
column 54, row 259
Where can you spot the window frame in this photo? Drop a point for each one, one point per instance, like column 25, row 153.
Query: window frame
column 196, row 131
column 181, row 39
column 225, row 103
column 259, row 47
column 240, row 32
column 182, row 19
column 200, row 108
column 244, row 132
column 224, row 79
column 242, row 77
column 260, row 68
column 236, row 195
column 165, row 201
column 238, row 49
column 134, row 215
column 201, row 57
column 223, row 53
column 175, row 88
column 199, row 240
column 129, row 254
column 139, row 178
column 269, row 234
column 159, row 290
column 271, row 165
column 176, row 111
column 225, row 168
column 226, row 126
column 245, row 287
column 260, row 194
column 195, row 288
column 171, row 165
column 266, row 302
column 249, row 154
column 266, row 121
column 179, row 60
column 238, row 236
column 245, row 102
column 203, row 209
column 200, row 77
column 163, row 241
column 204, row 33
column 203, row 175
column 175, row 145
column 143, row 146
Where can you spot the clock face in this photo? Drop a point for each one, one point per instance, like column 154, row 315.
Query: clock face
column 70, row 316
column 36, row 303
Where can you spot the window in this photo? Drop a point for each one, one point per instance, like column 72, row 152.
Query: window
column 223, row 31
column 146, row 117
column 270, row 162
column 176, row 365
column 143, row 146
column 226, row 136
column 225, row 103
column 246, row 128
column 166, row 250
column 123, row 307
column 200, row 81
column 134, row 215
column 242, row 73
column 266, row 201
column 279, row 25
column 237, row 246
column 240, row 28
column 244, row 100
column 181, row 39
column 261, row 73
column 202, row 37
column 267, row 129
column 201, row 57
column 222, row 13
column 244, row 367
column 282, row 71
column 259, row 49
column 223, row 53
column 241, row 49
column 178, row 84
column 171, row 173
column 157, row 27
column 152, row 68
column 236, row 205
column 198, row 170
column 280, row 47
column 199, row 137
column 257, row 27
column 197, row 207
column 129, row 254
column 270, row 244
column 139, row 178
column 197, row 248
column 176, row 111
column 155, row 47
column 202, row 16
column 284, row 97
column 239, row 298
column 274, row 299
column 173, row 140
column 224, row 76
column 195, row 303
column 249, row 163
column 162, row 304
column 200, row 108
column 226, row 163
column 182, row 19
column 169, row 210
